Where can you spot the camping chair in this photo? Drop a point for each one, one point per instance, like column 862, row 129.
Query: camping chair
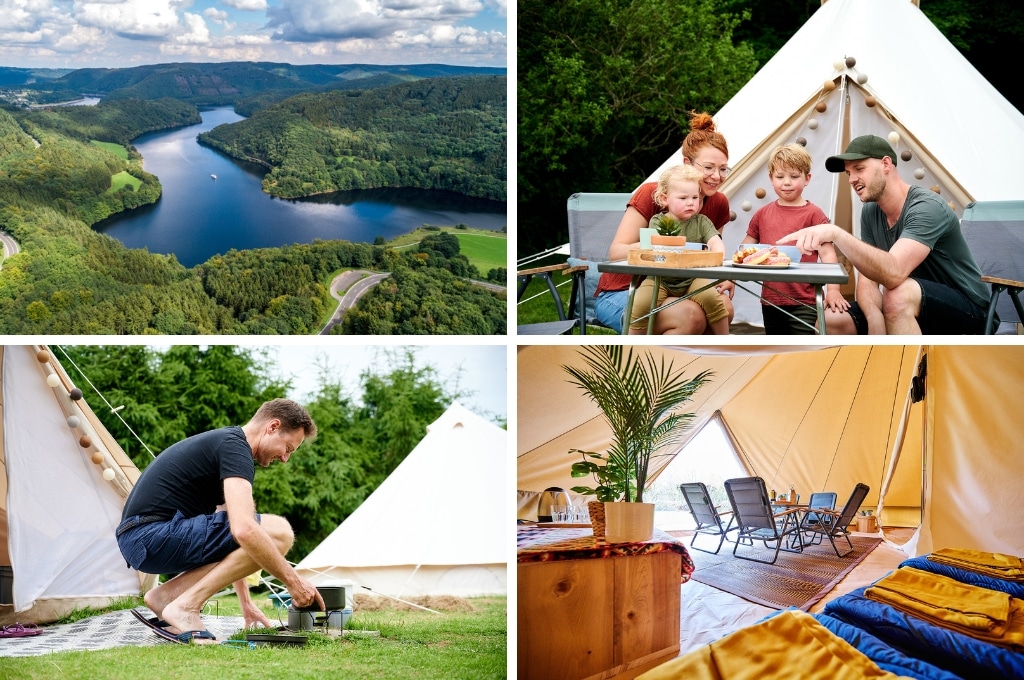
column 994, row 231
column 705, row 514
column 756, row 521
column 593, row 220
column 833, row 525
column 824, row 500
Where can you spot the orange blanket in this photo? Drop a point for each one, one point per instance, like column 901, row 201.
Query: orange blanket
column 790, row 645
column 1009, row 567
column 984, row 614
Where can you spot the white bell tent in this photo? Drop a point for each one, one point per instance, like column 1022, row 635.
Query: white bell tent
column 944, row 459
column 868, row 67
column 431, row 528
column 61, row 495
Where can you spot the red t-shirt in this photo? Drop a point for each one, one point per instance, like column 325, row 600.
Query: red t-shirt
column 770, row 223
column 715, row 208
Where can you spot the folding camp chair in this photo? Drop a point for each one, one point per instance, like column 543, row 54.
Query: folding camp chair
column 994, row 231
column 705, row 514
column 833, row 525
column 593, row 220
column 756, row 521
column 823, row 500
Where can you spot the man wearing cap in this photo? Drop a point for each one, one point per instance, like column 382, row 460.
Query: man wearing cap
column 916, row 273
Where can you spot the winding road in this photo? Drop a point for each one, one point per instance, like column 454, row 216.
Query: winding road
column 9, row 246
column 354, row 284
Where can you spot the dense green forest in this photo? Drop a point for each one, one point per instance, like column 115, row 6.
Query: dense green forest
column 365, row 430
column 604, row 87
column 69, row 279
column 222, row 83
column 439, row 133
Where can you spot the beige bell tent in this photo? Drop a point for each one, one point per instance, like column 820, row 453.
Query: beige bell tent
column 868, row 67
column 58, row 512
column 429, row 528
column 945, row 459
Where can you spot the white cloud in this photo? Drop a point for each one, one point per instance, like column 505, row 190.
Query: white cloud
column 248, row 5
column 499, row 6
column 215, row 15
column 140, row 19
column 312, row 20
column 196, row 32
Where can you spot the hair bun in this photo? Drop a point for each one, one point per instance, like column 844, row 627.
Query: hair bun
column 702, row 121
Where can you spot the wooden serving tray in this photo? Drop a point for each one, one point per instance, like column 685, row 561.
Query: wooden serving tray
column 664, row 258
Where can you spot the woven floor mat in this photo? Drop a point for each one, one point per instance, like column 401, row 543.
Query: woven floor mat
column 795, row 580
column 114, row 629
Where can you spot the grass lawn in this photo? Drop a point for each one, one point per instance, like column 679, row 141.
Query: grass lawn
column 485, row 249
column 115, row 149
column 467, row 640
column 121, row 179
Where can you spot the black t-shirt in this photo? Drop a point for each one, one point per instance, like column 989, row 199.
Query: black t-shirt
column 188, row 476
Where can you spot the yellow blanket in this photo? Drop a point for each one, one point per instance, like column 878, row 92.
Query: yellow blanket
column 979, row 612
column 1009, row 567
column 790, row 645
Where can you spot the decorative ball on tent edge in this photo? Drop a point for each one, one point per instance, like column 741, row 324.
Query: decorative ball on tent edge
column 821, row 106
column 745, row 206
column 73, row 422
column 108, row 474
column 760, row 192
column 75, row 394
column 862, row 78
column 919, row 173
column 42, row 356
column 870, row 101
column 84, row 441
column 53, row 380
column 906, row 155
column 850, row 62
column 812, row 123
column 894, row 138
column 96, row 457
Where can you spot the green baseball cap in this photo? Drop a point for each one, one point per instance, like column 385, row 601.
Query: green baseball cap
column 866, row 146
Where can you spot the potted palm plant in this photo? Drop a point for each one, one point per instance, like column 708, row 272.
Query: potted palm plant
column 640, row 397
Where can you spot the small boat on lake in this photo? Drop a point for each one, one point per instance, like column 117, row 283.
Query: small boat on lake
column 213, row 176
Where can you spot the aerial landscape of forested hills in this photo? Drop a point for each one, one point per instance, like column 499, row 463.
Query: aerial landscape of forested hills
column 438, row 133
column 63, row 169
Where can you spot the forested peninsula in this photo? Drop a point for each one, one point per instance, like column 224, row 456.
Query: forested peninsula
column 437, row 133
column 64, row 169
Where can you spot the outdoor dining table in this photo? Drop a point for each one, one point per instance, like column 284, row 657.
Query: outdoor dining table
column 588, row 608
column 817, row 274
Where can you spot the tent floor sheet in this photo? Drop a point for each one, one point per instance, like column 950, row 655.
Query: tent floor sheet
column 707, row 614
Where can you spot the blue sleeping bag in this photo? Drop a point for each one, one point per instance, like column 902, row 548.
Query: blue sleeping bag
column 955, row 652
column 1015, row 589
column 885, row 657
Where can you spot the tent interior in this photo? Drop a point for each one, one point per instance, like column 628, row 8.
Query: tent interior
column 62, row 489
column 931, row 429
column 861, row 67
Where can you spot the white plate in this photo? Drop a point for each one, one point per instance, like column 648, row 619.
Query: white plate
column 761, row 266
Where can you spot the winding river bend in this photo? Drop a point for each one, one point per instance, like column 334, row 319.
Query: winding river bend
column 212, row 204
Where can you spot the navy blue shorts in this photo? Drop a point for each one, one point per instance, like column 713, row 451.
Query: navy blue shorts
column 179, row 544
column 944, row 311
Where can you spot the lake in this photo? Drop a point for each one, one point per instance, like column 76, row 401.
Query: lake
column 198, row 216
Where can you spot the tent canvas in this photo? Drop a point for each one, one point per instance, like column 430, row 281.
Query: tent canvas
column 429, row 528
column 962, row 135
column 824, row 419
column 57, row 512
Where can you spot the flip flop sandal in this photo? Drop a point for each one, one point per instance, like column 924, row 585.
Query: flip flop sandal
column 191, row 635
column 19, row 630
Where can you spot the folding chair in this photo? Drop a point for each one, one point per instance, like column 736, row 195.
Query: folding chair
column 994, row 231
column 593, row 219
column 833, row 525
column 705, row 514
column 824, row 500
column 756, row 521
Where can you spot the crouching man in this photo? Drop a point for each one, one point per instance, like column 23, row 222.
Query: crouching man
column 192, row 513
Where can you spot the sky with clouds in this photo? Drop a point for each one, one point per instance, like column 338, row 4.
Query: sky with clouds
column 124, row 33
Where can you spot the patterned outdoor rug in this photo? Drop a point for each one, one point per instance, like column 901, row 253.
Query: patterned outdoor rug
column 795, row 580
column 114, row 629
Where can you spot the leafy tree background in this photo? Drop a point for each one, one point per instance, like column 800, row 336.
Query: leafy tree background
column 365, row 430
column 604, row 86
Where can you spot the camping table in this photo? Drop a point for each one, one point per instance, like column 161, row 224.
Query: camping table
column 596, row 610
column 817, row 274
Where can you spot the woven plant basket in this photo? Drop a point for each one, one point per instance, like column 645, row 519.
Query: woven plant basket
column 596, row 509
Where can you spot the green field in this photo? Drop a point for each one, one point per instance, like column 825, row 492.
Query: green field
column 485, row 249
column 121, row 179
column 115, row 149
